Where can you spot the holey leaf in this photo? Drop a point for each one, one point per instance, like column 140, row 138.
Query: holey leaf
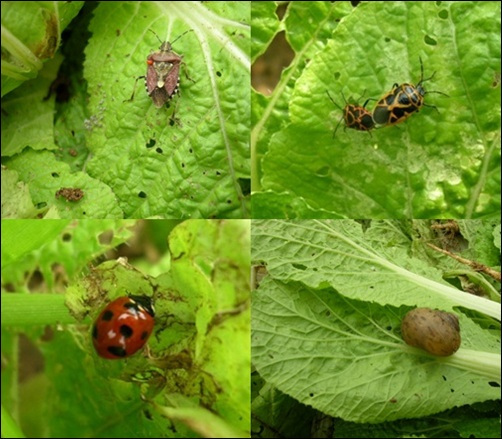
column 196, row 165
column 346, row 357
column 359, row 265
column 440, row 162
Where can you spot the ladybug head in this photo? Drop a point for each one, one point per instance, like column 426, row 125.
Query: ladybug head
column 144, row 302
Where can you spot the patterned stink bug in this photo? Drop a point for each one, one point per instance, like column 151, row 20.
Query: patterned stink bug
column 402, row 101
column 163, row 73
column 355, row 116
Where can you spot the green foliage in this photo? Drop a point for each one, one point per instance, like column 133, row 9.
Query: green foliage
column 136, row 163
column 443, row 163
column 195, row 375
column 326, row 321
column 31, row 34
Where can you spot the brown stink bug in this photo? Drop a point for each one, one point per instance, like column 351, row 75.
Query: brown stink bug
column 163, row 73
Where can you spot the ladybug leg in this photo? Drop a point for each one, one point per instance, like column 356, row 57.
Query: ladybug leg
column 134, row 89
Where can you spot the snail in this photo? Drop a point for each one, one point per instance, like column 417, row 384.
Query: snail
column 436, row 332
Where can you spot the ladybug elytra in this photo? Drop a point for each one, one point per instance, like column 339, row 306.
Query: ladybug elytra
column 123, row 327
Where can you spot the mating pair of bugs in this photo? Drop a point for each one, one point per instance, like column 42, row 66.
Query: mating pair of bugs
column 392, row 108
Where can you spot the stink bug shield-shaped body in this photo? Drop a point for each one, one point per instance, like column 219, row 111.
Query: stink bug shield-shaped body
column 163, row 72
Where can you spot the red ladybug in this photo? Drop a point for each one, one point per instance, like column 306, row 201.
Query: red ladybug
column 123, row 327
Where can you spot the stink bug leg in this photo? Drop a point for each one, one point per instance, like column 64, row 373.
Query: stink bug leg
column 134, row 89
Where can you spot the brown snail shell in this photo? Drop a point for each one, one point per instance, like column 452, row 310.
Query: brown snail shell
column 436, row 332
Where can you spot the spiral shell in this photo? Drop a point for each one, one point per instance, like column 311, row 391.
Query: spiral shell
column 436, row 332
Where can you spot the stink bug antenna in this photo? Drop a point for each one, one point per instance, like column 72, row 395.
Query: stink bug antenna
column 179, row 36
column 161, row 42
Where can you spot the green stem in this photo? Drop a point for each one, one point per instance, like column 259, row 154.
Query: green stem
column 34, row 309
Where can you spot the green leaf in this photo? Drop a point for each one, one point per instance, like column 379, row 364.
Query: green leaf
column 31, row 33
column 16, row 197
column 265, row 25
column 308, row 27
column 276, row 415
column 360, row 265
column 27, row 118
column 22, row 237
column 194, row 167
column 46, row 175
column 285, row 205
column 496, row 237
column 30, row 245
column 443, row 163
column 480, row 237
column 346, row 358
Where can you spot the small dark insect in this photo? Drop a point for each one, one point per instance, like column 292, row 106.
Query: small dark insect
column 71, row 194
column 355, row 116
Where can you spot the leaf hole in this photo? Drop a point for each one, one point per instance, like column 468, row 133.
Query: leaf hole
column 142, row 194
column 493, row 384
column 159, row 150
column 267, row 69
column 443, row 14
column 55, row 175
column 106, row 237
column 245, row 184
column 300, row 266
column 322, row 172
column 151, row 143
column 430, row 41
column 311, row 395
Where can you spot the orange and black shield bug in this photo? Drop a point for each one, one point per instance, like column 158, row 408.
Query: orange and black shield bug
column 355, row 116
column 402, row 101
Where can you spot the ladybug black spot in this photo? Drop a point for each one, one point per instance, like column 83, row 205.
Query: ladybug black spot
column 126, row 331
column 118, row 351
column 107, row 315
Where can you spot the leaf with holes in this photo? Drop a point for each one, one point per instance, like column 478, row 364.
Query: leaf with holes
column 346, row 357
column 198, row 164
column 442, row 161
